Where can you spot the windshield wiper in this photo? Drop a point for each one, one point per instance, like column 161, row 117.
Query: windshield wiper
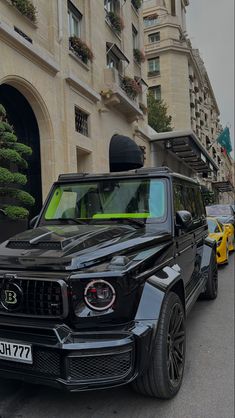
column 75, row 220
column 131, row 221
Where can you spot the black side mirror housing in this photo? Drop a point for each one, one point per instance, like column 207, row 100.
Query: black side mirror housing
column 184, row 219
column 33, row 222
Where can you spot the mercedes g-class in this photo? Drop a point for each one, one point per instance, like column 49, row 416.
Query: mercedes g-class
column 96, row 293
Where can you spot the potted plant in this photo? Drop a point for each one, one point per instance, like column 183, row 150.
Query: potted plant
column 26, row 8
column 14, row 201
column 131, row 87
column 138, row 55
column 115, row 21
column 81, row 49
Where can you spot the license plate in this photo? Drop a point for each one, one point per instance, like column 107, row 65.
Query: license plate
column 16, row 352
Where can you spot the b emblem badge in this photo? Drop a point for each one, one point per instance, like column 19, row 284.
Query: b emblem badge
column 11, row 296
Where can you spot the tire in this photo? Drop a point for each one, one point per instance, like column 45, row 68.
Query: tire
column 164, row 375
column 211, row 291
column 227, row 254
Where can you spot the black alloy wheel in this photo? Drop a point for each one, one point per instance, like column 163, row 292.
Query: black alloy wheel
column 164, row 372
column 176, row 345
column 211, row 291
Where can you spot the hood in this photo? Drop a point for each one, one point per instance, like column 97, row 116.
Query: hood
column 71, row 247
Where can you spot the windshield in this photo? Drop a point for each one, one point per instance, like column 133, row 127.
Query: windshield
column 212, row 226
column 108, row 199
column 223, row 210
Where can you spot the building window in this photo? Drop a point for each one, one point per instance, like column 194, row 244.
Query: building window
column 154, row 37
column 173, row 10
column 81, row 122
column 74, row 20
column 112, row 6
column 156, row 91
column 135, row 38
column 150, row 20
column 113, row 61
column 154, row 66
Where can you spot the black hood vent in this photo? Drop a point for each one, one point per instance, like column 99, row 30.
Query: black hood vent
column 43, row 245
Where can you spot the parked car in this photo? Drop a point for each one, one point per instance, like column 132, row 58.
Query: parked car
column 97, row 293
column 224, row 236
column 224, row 213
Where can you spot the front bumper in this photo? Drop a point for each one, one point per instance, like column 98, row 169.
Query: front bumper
column 79, row 361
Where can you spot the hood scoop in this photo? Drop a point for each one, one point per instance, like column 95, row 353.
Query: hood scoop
column 43, row 245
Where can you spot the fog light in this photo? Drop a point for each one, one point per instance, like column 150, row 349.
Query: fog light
column 99, row 295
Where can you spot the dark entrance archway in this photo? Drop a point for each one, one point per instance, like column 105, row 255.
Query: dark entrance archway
column 21, row 116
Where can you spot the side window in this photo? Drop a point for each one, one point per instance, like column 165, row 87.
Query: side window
column 190, row 203
column 178, row 197
column 199, row 202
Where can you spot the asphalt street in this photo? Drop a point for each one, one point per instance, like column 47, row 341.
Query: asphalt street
column 207, row 391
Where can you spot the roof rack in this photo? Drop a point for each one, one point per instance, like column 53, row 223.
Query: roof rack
column 70, row 176
column 154, row 170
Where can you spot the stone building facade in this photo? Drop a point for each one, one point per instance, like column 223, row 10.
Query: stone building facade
column 71, row 79
column 177, row 75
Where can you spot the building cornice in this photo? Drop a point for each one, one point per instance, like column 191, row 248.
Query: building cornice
column 33, row 52
column 82, row 87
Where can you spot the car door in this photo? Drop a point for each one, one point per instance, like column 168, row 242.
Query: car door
column 185, row 249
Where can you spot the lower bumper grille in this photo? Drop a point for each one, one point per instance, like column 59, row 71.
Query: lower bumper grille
column 99, row 367
column 91, row 368
column 45, row 363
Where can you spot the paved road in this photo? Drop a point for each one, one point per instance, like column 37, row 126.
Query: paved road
column 207, row 390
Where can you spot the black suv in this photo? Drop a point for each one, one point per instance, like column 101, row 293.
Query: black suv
column 96, row 294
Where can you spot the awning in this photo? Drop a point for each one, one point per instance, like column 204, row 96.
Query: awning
column 223, row 186
column 186, row 146
column 124, row 154
column 116, row 51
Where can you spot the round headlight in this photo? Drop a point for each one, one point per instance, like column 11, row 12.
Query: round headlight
column 99, row 295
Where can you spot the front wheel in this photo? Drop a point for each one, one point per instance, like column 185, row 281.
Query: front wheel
column 164, row 375
column 211, row 291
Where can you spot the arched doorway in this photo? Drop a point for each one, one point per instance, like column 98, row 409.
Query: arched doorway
column 22, row 117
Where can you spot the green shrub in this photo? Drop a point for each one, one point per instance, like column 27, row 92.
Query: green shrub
column 20, row 178
column 2, row 112
column 8, row 137
column 11, row 160
column 23, row 149
column 12, row 156
column 6, row 176
column 16, row 212
column 5, row 126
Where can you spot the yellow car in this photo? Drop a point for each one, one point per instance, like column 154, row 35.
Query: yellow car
column 224, row 236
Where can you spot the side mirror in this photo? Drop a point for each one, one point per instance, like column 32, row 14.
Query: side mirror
column 33, row 222
column 184, row 219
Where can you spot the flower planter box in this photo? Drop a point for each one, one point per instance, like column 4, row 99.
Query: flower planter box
column 9, row 228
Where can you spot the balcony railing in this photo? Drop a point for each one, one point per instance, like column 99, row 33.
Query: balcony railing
column 121, row 92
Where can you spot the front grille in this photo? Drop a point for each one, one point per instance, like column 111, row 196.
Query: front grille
column 43, row 245
column 39, row 298
column 99, row 367
column 44, row 362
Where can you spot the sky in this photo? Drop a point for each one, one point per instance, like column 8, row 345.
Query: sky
column 210, row 27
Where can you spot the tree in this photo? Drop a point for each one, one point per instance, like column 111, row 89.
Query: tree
column 157, row 115
column 13, row 200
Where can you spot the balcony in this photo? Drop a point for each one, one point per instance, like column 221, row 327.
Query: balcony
column 118, row 94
